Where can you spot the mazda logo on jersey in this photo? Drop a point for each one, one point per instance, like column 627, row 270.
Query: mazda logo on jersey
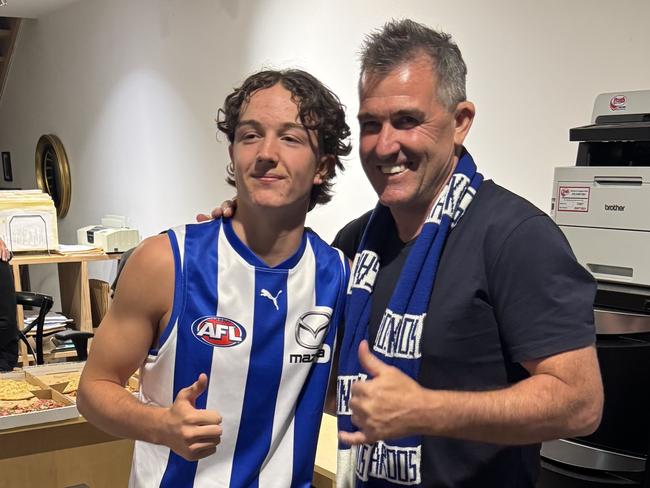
column 218, row 331
column 312, row 328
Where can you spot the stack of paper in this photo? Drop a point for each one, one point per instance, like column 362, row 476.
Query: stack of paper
column 79, row 249
column 28, row 220
column 54, row 322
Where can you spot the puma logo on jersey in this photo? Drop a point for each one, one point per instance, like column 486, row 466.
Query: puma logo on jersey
column 267, row 294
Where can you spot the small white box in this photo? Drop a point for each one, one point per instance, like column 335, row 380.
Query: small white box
column 110, row 239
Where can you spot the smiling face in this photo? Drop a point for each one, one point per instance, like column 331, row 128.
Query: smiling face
column 274, row 157
column 409, row 140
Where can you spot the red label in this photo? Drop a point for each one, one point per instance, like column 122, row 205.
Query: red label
column 618, row 102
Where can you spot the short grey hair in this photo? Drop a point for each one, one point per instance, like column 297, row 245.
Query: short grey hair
column 401, row 41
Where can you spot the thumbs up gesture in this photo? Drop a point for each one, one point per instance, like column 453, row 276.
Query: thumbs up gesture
column 384, row 407
column 192, row 433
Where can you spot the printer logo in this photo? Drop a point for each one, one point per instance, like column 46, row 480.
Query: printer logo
column 618, row 102
column 615, row 208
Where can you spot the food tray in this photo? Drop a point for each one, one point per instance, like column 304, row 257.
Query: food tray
column 42, row 375
column 68, row 411
column 38, row 373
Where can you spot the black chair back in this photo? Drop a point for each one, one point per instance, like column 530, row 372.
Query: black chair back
column 44, row 304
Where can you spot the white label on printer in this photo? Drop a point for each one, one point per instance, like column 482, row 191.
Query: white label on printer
column 573, row 199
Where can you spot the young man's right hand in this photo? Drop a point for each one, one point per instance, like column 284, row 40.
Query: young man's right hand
column 226, row 209
column 192, row 433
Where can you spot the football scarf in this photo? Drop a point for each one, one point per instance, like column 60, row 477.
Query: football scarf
column 394, row 462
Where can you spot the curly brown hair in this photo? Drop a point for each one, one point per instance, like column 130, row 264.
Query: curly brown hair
column 319, row 109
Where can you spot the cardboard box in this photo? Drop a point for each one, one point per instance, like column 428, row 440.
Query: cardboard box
column 68, row 411
column 45, row 376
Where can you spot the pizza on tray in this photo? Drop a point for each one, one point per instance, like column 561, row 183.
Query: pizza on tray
column 16, row 390
column 70, row 378
column 16, row 396
column 26, row 406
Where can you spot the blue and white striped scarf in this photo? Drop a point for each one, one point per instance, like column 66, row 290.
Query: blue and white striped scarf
column 395, row 462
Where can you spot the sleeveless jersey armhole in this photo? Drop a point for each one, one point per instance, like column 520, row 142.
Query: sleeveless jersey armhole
column 179, row 288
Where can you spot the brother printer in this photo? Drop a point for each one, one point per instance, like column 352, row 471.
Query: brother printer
column 602, row 205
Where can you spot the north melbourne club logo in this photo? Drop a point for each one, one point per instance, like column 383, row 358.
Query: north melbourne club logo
column 218, row 331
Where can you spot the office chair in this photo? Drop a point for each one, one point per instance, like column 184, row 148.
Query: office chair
column 44, row 303
column 79, row 339
column 99, row 302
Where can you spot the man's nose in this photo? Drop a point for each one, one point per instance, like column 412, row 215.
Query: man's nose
column 268, row 150
column 387, row 142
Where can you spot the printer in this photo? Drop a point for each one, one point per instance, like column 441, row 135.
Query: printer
column 111, row 236
column 602, row 205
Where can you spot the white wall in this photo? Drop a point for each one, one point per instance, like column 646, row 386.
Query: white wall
column 132, row 88
column 535, row 69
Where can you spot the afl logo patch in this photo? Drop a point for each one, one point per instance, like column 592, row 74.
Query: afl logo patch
column 218, row 331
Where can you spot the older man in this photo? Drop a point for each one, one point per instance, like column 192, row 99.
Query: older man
column 468, row 317
column 478, row 319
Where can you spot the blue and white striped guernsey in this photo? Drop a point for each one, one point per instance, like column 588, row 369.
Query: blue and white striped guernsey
column 265, row 338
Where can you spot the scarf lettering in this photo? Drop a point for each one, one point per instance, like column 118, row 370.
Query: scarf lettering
column 399, row 336
column 435, row 216
column 343, row 391
column 457, row 185
column 462, row 206
column 364, row 271
column 400, row 465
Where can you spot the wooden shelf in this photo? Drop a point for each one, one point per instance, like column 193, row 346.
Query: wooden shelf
column 74, row 287
column 60, row 355
column 27, row 258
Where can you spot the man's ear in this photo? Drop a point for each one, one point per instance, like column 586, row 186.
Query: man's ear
column 326, row 162
column 463, row 118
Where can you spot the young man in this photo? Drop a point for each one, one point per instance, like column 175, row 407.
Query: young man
column 232, row 322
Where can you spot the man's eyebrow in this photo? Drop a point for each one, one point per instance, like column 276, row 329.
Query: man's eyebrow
column 293, row 125
column 365, row 116
column 251, row 122
column 411, row 112
column 257, row 125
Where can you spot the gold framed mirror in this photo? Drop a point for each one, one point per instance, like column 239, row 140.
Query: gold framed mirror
column 53, row 172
